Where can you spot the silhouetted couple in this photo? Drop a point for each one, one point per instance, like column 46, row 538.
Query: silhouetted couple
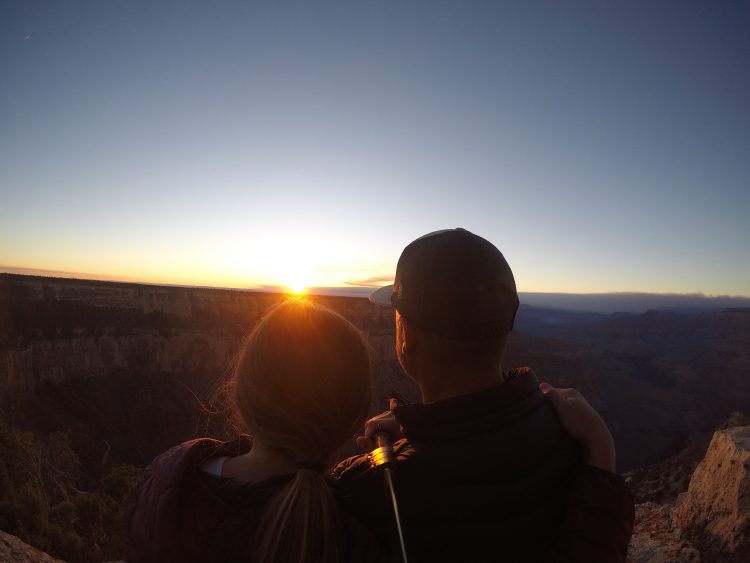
column 491, row 466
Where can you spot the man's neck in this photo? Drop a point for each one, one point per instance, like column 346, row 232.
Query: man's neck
column 441, row 386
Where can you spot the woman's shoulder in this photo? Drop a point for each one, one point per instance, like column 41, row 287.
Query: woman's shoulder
column 199, row 450
column 185, row 451
column 168, row 468
column 155, row 504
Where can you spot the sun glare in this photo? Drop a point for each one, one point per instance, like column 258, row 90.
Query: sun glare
column 297, row 287
column 297, row 277
column 293, row 264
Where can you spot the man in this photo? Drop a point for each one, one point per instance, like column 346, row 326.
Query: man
column 485, row 470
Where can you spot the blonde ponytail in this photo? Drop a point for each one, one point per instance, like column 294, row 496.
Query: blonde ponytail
column 302, row 523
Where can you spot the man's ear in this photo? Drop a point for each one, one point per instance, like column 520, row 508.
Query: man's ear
column 407, row 334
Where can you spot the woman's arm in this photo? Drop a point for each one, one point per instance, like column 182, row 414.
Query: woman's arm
column 600, row 512
column 584, row 424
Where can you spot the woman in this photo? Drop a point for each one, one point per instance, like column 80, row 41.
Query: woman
column 301, row 386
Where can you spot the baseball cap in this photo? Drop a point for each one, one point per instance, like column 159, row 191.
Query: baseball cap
column 455, row 284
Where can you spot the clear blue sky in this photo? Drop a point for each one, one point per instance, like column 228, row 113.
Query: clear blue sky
column 601, row 146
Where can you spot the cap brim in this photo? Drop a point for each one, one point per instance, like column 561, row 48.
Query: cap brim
column 382, row 296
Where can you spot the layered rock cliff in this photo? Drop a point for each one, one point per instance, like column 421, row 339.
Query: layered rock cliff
column 710, row 522
column 113, row 362
column 132, row 369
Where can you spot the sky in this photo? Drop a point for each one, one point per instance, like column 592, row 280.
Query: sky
column 600, row 146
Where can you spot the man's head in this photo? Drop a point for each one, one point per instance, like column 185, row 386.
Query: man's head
column 455, row 296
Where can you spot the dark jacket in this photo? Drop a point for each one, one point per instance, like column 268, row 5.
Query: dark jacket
column 492, row 476
column 178, row 512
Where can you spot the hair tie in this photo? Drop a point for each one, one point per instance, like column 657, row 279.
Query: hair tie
column 311, row 465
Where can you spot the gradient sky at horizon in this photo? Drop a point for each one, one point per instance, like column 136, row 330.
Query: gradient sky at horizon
column 601, row 146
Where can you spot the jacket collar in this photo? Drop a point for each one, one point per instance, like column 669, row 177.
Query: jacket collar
column 475, row 413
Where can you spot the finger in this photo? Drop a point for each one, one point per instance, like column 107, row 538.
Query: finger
column 371, row 429
column 564, row 391
column 365, row 443
column 569, row 394
column 554, row 396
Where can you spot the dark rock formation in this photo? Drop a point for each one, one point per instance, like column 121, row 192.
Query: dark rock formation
column 657, row 539
column 13, row 550
column 663, row 482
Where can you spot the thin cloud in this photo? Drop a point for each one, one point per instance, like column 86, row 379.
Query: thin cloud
column 65, row 274
column 373, row 281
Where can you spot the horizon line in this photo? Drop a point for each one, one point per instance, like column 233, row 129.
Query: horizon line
column 353, row 291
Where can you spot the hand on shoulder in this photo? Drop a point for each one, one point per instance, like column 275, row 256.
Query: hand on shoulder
column 384, row 422
column 584, row 424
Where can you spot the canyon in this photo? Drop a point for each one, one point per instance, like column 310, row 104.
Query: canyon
column 129, row 370
column 132, row 369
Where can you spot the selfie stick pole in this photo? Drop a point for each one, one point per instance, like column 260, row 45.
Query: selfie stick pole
column 383, row 457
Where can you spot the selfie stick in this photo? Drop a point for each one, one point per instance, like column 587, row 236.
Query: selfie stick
column 383, row 457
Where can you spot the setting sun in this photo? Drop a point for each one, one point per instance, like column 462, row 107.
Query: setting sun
column 296, row 285
column 293, row 262
column 295, row 272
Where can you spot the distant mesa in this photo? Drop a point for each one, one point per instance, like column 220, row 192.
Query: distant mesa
column 624, row 303
column 617, row 303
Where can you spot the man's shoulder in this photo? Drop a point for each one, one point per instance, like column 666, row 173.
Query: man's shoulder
column 484, row 450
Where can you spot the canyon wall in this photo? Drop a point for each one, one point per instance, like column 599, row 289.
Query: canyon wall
column 131, row 369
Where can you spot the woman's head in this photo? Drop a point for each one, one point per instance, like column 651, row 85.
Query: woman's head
column 302, row 384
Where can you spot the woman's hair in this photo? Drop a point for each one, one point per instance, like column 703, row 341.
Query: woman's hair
column 302, row 386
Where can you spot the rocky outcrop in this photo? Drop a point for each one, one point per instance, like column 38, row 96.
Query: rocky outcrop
column 715, row 512
column 663, row 482
column 711, row 521
column 656, row 538
column 13, row 550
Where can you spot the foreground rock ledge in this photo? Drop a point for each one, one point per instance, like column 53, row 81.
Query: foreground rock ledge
column 710, row 523
column 14, row 550
column 715, row 513
column 656, row 538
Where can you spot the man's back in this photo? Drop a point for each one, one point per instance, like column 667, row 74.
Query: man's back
column 480, row 477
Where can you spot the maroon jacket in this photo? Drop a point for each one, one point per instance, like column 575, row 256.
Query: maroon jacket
column 598, row 520
column 179, row 513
